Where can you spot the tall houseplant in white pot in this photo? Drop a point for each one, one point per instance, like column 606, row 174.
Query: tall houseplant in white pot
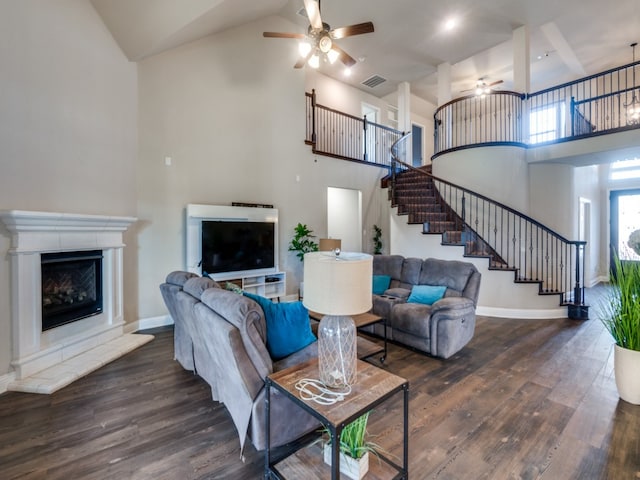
column 301, row 243
column 621, row 317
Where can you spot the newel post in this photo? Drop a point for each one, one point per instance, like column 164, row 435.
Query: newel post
column 578, row 310
column 364, row 128
column 313, row 116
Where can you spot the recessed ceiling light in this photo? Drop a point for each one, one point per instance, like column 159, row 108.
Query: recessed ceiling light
column 450, row 23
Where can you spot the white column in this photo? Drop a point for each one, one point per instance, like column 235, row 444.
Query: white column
column 444, row 83
column 521, row 72
column 404, row 117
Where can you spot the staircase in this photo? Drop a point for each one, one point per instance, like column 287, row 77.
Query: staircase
column 509, row 240
column 416, row 197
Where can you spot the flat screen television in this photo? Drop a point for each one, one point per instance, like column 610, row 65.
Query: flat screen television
column 237, row 246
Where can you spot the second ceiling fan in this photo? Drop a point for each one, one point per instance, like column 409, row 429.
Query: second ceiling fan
column 320, row 38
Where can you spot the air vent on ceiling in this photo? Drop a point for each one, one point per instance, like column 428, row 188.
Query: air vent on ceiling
column 374, row 81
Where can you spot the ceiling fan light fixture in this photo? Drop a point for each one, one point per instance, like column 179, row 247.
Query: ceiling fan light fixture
column 633, row 107
column 314, row 61
column 304, row 48
column 325, row 43
column 332, row 55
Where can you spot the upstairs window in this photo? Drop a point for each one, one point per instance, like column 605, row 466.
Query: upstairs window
column 546, row 123
column 625, row 169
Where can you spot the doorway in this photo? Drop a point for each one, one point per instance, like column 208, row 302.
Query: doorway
column 344, row 217
column 624, row 220
column 417, row 134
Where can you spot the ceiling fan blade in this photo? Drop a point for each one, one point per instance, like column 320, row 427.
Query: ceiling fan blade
column 313, row 12
column 345, row 58
column 283, row 35
column 302, row 60
column 349, row 31
column 497, row 82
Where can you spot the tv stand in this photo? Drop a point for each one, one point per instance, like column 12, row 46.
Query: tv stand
column 269, row 285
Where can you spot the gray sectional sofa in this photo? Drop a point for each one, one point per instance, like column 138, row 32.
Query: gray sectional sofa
column 440, row 329
column 221, row 336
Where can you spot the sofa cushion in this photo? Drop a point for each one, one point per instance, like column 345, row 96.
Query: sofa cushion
column 197, row 285
column 388, row 265
column 381, row 283
column 179, row 277
column 426, row 294
column 244, row 314
column 288, row 327
column 411, row 318
column 451, row 273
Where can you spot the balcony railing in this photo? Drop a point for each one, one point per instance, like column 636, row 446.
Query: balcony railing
column 593, row 105
column 337, row 134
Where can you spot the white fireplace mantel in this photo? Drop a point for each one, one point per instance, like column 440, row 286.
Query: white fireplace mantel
column 34, row 233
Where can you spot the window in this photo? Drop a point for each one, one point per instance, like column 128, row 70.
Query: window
column 625, row 169
column 546, row 123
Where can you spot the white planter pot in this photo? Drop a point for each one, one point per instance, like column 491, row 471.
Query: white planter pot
column 626, row 368
column 351, row 467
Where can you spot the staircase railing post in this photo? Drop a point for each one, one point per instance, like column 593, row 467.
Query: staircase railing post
column 364, row 128
column 578, row 309
column 313, row 116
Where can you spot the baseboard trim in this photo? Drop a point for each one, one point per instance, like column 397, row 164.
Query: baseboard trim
column 151, row 322
column 5, row 380
column 533, row 314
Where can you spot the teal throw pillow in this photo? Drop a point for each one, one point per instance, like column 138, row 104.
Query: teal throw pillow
column 427, row 294
column 381, row 284
column 288, row 327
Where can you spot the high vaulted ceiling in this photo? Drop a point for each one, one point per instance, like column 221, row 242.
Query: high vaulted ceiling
column 568, row 38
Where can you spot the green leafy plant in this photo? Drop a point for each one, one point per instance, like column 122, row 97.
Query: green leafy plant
column 302, row 241
column 377, row 240
column 352, row 439
column 620, row 311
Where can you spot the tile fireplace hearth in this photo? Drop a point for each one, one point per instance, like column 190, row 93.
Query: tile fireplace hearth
column 46, row 359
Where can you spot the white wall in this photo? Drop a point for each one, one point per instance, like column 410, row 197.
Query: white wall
column 230, row 111
column 500, row 173
column 68, row 131
column 553, row 198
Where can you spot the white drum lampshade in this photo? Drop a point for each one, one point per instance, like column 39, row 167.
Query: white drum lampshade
column 337, row 286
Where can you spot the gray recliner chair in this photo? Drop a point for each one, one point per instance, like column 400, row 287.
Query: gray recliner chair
column 440, row 329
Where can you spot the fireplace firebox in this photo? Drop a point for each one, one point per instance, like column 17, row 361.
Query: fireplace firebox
column 71, row 286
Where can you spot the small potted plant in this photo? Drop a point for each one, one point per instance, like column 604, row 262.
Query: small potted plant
column 377, row 240
column 354, row 449
column 620, row 313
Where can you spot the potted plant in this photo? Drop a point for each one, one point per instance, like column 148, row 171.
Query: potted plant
column 377, row 240
column 354, row 449
column 620, row 314
column 302, row 241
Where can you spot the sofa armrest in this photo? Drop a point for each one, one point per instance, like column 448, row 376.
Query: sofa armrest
column 452, row 304
column 452, row 325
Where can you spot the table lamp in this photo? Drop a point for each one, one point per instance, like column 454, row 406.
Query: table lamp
column 329, row 244
column 337, row 285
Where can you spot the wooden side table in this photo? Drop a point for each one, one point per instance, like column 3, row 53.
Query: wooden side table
column 373, row 387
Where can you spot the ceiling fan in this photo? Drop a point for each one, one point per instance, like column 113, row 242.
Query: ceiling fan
column 482, row 87
column 320, row 38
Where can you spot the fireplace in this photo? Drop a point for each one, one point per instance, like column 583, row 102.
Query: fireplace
column 71, row 286
column 46, row 286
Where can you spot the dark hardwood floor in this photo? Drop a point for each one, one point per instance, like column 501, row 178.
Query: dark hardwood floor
column 526, row 399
